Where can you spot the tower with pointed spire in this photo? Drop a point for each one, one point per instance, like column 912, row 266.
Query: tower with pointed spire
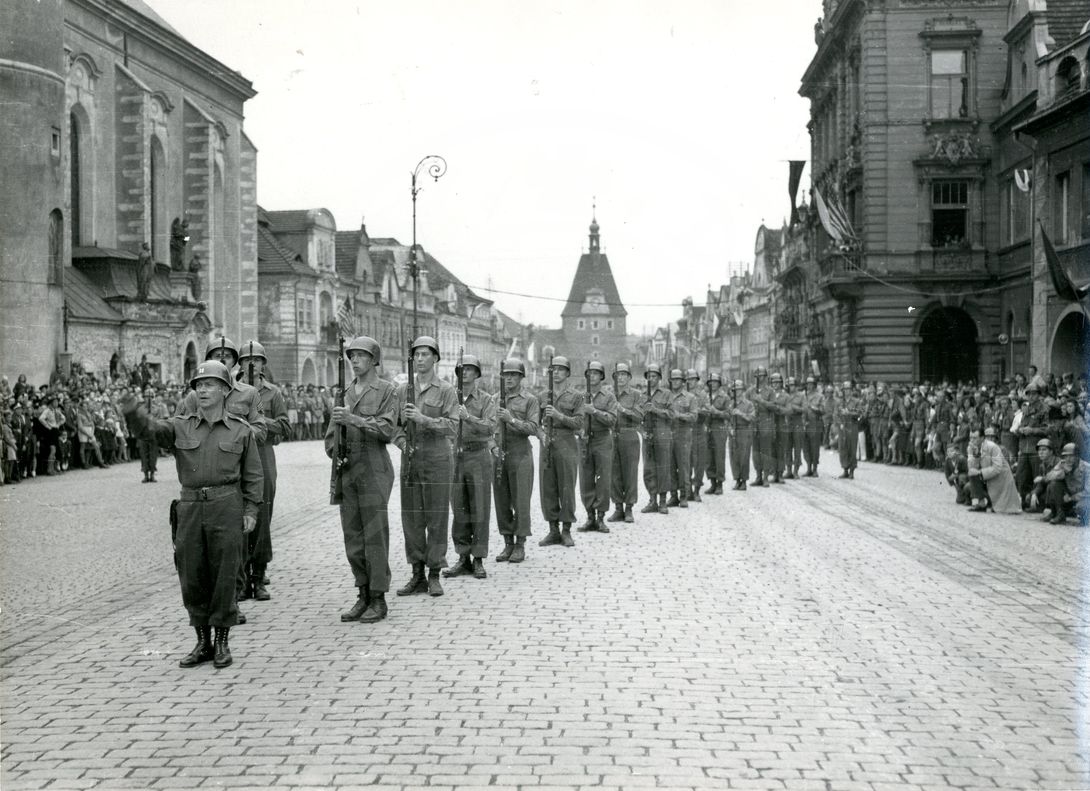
column 594, row 318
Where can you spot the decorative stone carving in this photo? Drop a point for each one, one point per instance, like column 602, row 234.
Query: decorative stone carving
column 953, row 148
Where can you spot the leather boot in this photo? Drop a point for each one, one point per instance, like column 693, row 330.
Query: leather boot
column 518, row 554
column 696, row 495
column 843, row 474
column 776, row 478
column 417, row 583
column 145, row 478
column 565, row 536
column 151, row 477
column 478, row 569
column 552, row 538
column 628, row 514
column 434, row 588
column 241, row 618
column 223, row 651
column 652, row 507
column 719, row 487
column 462, row 567
column 681, row 500
column 741, row 485
column 590, row 525
column 261, row 593
column 663, row 507
column 601, row 522
column 202, row 651
column 617, row 515
column 757, row 481
column 354, row 612
column 788, row 475
column 508, row 548
column 376, row 610
column 673, row 502
column 711, row 487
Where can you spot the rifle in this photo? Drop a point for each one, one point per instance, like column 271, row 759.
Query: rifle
column 459, row 452
column 250, row 364
column 410, row 427
column 588, row 401
column 548, row 461
column 501, row 445
column 733, row 406
column 650, row 418
column 340, row 447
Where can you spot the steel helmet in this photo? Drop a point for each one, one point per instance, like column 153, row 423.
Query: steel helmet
column 776, row 377
column 363, row 343
column 1044, row 443
column 219, row 342
column 562, row 362
column 211, row 369
column 812, row 381
column 622, row 368
column 594, row 365
column 652, row 368
column 761, row 371
column 252, row 349
column 738, row 385
column 791, row 381
column 847, row 385
column 471, row 360
column 676, row 373
column 426, row 342
column 715, row 377
column 513, row 366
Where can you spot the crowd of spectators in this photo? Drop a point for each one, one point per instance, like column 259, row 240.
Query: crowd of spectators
column 75, row 421
column 1021, row 445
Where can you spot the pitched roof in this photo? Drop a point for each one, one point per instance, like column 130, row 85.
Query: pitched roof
column 142, row 8
column 274, row 258
column 439, row 276
column 593, row 271
column 511, row 328
column 1065, row 19
column 290, row 221
column 347, row 247
column 381, row 261
column 85, row 299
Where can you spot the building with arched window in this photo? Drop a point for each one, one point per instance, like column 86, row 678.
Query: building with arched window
column 142, row 183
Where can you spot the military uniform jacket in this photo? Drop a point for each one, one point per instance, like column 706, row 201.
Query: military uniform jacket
column 629, row 407
column 700, row 405
column 525, row 412
column 603, row 413
column 743, row 411
column 660, row 399
column 375, row 403
column 849, row 408
column 796, row 403
column 719, row 408
column 566, row 401
column 1034, row 426
column 243, row 401
column 481, row 423
column 815, row 407
column 762, row 399
column 274, row 411
column 438, row 402
column 222, row 453
column 683, row 405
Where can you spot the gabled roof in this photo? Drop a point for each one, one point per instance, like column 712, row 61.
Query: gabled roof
column 347, row 246
column 274, row 258
column 1065, row 19
column 439, row 277
column 511, row 328
column 291, row 221
column 85, row 299
column 144, row 9
column 593, row 271
column 381, row 262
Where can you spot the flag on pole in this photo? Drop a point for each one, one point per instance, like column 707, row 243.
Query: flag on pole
column 793, row 178
column 346, row 319
column 1066, row 288
column 834, row 218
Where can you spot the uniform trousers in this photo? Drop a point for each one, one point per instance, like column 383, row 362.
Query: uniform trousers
column 849, row 444
column 257, row 545
column 763, row 444
column 626, row 466
column 1027, row 471
column 367, row 481
column 698, row 454
column 558, row 481
column 682, row 457
column 878, row 433
column 741, row 446
column 596, row 472
column 471, row 503
column 717, row 450
column 514, row 488
column 425, row 502
column 780, row 442
column 811, row 442
column 793, row 453
column 657, row 456
column 206, row 549
column 149, row 454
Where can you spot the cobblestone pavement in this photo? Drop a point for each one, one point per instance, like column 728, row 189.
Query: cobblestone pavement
column 824, row 634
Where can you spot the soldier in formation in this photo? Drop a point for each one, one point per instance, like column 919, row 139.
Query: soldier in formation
column 599, row 412
column 626, row 445
column 518, row 419
column 558, row 478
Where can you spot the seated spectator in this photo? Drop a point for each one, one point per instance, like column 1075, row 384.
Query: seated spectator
column 957, row 474
column 1067, row 493
column 1048, row 459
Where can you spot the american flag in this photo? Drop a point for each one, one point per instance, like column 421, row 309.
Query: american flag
column 346, row 319
column 834, row 218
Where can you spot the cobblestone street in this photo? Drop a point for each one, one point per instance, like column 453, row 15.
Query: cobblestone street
column 825, row 634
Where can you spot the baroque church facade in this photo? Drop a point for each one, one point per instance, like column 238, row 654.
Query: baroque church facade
column 131, row 229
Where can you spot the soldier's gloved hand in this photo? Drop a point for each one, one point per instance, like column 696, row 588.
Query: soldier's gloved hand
column 249, row 523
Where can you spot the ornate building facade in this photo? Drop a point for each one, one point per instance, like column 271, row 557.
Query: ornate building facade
column 136, row 233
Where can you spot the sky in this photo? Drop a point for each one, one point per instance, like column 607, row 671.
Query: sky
column 676, row 120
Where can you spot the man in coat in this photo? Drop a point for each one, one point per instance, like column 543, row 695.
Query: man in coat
column 997, row 476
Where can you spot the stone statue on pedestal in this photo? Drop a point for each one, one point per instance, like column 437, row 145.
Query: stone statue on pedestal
column 145, row 270
column 179, row 238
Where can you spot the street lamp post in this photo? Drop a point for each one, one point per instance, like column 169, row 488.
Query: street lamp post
column 435, row 166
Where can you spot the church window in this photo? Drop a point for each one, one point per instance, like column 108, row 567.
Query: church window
column 56, row 246
column 55, row 142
